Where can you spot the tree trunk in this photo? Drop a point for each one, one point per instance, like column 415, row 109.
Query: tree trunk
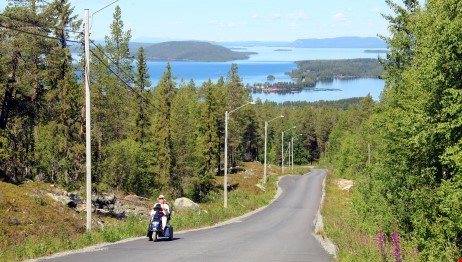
column 7, row 99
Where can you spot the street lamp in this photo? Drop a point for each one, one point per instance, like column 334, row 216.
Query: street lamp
column 282, row 148
column 292, row 147
column 266, row 141
column 225, row 178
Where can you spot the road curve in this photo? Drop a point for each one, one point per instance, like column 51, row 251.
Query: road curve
column 281, row 232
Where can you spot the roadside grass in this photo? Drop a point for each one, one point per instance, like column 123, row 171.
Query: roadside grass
column 342, row 226
column 34, row 225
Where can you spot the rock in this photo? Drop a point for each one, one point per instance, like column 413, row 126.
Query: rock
column 81, row 208
column 261, row 187
column 64, row 199
column 104, row 200
column 119, row 210
column 135, row 199
column 185, row 204
column 344, row 184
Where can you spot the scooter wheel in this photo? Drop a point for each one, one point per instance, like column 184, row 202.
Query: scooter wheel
column 170, row 237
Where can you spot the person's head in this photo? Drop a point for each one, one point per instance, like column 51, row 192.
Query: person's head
column 161, row 199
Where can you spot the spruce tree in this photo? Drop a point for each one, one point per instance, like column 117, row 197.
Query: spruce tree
column 142, row 81
column 161, row 130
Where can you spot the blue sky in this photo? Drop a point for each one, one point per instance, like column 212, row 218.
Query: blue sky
column 238, row 20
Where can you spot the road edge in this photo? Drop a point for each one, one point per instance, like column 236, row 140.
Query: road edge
column 325, row 242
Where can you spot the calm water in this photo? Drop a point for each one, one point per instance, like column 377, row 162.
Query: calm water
column 338, row 89
column 271, row 62
column 250, row 72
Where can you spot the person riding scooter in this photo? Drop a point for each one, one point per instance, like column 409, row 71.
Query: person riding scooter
column 163, row 208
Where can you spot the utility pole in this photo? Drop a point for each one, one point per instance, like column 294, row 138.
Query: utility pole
column 368, row 154
column 266, row 142
column 292, row 153
column 87, row 119
column 282, row 148
column 225, row 177
column 282, row 152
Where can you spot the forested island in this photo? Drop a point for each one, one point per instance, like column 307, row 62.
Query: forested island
column 193, row 51
column 309, row 72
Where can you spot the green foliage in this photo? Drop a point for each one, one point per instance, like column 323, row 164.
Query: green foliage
column 413, row 181
column 326, row 70
column 161, row 130
column 142, row 81
column 122, row 169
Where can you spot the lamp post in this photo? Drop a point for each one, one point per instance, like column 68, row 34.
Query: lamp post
column 282, row 148
column 225, row 177
column 266, row 142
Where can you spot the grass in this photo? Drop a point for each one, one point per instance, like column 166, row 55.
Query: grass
column 341, row 225
column 34, row 225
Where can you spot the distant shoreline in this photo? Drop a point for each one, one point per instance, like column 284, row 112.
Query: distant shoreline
column 376, row 51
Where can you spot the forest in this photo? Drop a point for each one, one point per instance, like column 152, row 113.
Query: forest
column 327, row 70
column 412, row 183
column 146, row 137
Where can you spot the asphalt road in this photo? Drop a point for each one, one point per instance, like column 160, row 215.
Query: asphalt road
column 281, row 232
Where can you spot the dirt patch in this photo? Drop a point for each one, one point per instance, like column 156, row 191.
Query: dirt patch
column 344, row 184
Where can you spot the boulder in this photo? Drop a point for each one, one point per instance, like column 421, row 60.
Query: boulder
column 81, row 208
column 185, row 204
column 64, row 199
column 261, row 187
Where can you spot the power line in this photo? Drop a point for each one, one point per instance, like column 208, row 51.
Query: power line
column 108, row 67
column 118, row 67
column 35, row 23
column 125, row 83
column 35, row 34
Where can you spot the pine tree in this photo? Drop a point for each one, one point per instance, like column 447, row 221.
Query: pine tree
column 161, row 130
column 62, row 118
column 236, row 96
column 185, row 133
column 142, row 81
column 25, row 85
column 119, row 97
column 209, row 143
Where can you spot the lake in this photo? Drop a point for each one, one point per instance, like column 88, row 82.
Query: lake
column 271, row 62
column 335, row 90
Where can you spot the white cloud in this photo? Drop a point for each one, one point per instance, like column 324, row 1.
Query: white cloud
column 339, row 17
column 298, row 16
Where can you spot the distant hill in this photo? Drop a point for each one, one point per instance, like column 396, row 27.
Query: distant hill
column 336, row 42
column 192, row 51
column 254, row 43
column 341, row 42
